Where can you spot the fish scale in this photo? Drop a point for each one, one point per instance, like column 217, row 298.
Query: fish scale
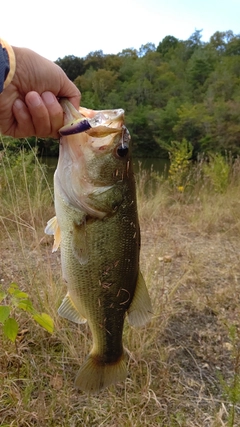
column 97, row 228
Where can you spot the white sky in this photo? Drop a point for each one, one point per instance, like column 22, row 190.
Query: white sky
column 56, row 28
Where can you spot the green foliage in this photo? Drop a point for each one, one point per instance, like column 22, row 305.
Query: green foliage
column 100, row 82
column 231, row 389
column 14, row 300
column 14, row 144
column 25, row 192
column 169, row 43
column 179, row 154
column 94, row 60
column 42, row 146
column 220, row 39
column 181, row 89
column 146, row 48
column 199, row 68
column 217, row 171
column 31, row 175
column 72, row 65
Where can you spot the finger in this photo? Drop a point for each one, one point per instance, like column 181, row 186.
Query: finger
column 39, row 114
column 23, row 125
column 75, row 100
column 55, row 112
column 69, row 90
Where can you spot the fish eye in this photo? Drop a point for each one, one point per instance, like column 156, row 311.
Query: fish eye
column 122, row 150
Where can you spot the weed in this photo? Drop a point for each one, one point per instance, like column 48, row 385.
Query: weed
column 180, row 154
column 12, row 300
column 217, row 172
column 183, row 366
column 231, row 388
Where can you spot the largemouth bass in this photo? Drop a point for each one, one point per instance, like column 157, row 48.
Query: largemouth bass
column 97, row 228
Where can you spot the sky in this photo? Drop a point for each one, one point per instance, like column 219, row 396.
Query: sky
column 56, row 28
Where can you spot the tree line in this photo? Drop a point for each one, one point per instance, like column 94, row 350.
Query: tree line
column 181, row 89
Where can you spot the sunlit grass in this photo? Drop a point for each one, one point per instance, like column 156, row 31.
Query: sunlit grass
column 183, row 368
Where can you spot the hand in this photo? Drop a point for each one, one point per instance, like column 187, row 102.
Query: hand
column 29, row 105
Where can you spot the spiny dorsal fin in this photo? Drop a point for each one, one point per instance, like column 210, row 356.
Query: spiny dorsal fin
column 52, row 228
column 140, row 310
column 68, row 310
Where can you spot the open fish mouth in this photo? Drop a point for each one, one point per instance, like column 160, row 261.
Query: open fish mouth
column 102, row 121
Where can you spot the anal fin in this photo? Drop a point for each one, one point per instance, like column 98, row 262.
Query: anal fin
column 140, row 310
column 69, row 311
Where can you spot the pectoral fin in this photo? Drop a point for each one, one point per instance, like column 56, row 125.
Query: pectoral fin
column 68, row 310
column 140, row 310
column 52, row 228
column 106, row 200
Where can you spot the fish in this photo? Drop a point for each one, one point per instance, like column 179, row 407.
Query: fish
column 97, row 228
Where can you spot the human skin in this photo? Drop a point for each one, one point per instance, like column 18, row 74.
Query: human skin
column 29, row 105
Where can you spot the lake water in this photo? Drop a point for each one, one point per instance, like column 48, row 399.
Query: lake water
column 160, row 166
column 147, row 167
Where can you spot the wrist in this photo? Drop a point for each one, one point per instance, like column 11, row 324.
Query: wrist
column 11, row 62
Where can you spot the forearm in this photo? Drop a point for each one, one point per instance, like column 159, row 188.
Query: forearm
column 7, row 64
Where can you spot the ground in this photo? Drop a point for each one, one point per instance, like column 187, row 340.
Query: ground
column 183, row 367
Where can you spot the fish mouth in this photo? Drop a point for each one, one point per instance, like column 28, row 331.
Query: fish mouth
column 95, row 123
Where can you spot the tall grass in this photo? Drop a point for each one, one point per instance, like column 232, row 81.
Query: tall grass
column 25, row 191
column 183, row 366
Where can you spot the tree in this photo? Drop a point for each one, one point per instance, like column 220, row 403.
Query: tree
column 146, row 48
column 193, row 43
column 130, row 53
column 183, row 89
column 100, row 82
column 112, row 62
column 141, row 133
column 72, row 65
column 199, row 67
column 233, row 47
column 225, row 42
column 94, row 60
column 195, row 39
column 217, row 40
column 167, row 44
column 162, row 122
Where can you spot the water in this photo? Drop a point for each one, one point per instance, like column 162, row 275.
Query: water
column 159, row 166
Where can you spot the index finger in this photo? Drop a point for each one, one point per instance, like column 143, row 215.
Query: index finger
column 70, row 91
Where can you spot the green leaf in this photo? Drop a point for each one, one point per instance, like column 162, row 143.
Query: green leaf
column 26, row 305
column 4, row 312
column 45, row 321
column 19, row 294
column 10, row 329
column 2, row 295
column 12, row 288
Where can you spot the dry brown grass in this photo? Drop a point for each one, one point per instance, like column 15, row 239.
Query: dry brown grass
column 183, row 367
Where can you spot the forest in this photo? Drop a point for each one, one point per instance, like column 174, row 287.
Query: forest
column 180, row 90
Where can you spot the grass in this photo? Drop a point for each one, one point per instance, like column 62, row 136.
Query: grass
column 183, row 366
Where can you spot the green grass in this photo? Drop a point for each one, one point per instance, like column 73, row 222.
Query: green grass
column 184, row 366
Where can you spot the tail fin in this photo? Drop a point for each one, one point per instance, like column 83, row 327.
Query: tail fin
column 93, row 376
